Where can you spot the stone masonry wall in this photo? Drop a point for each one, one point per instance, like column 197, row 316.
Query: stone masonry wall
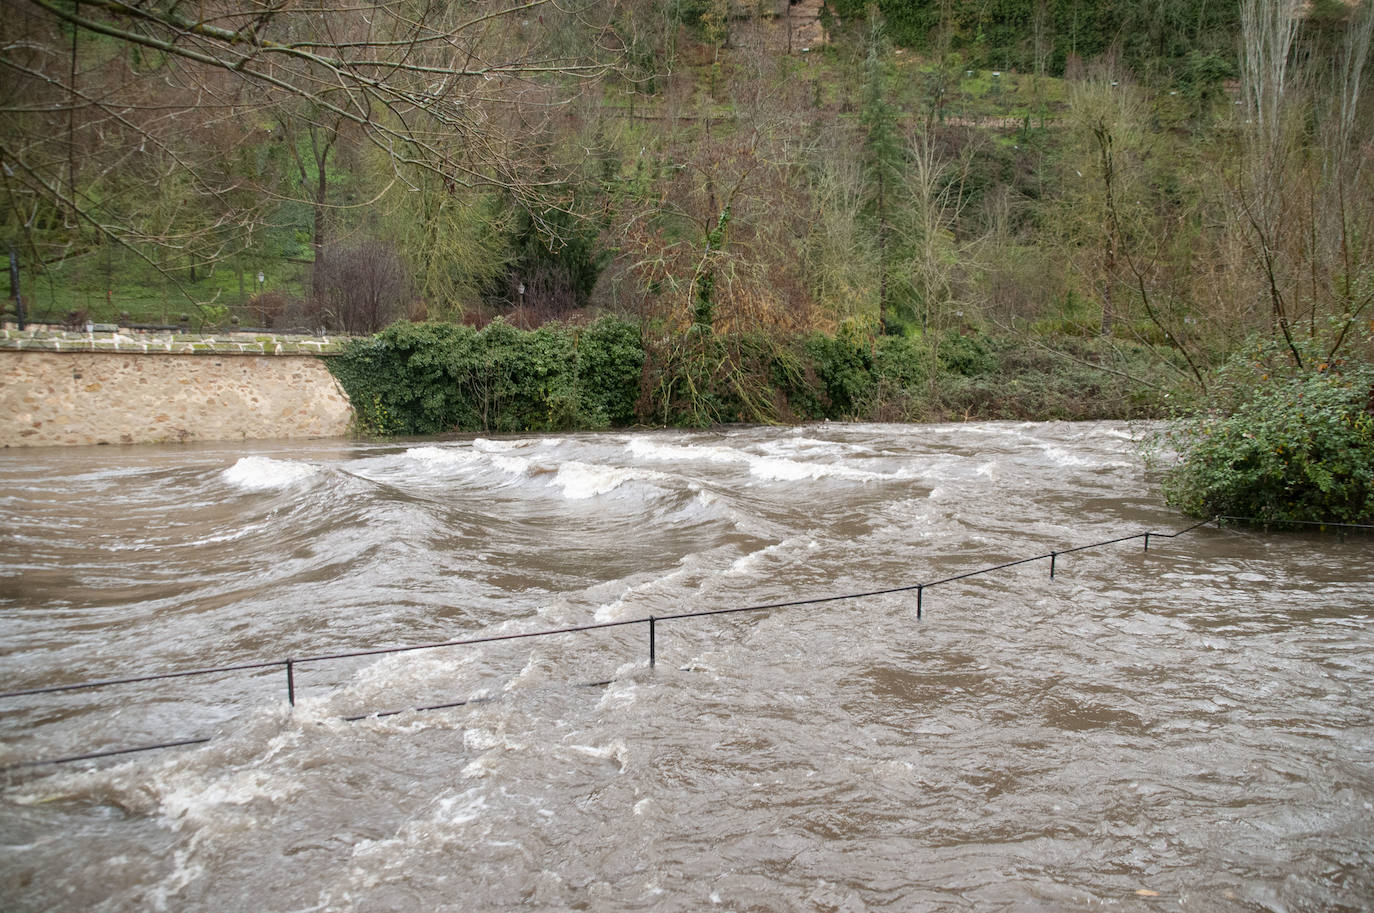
column 107, row 397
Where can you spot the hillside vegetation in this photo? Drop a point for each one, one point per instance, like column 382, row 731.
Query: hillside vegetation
column 1035, row 208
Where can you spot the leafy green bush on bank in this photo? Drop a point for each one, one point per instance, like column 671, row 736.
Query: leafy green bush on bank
column 1294, row 446
column 432, row 378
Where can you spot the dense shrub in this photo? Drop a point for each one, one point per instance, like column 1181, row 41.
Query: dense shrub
column 408, row 379
column 1297, row 447
column 430, row 378
column 610, row 358
column 967, row 355
column 844, row 366
column 427, row 378
column 554, row 267
column 900, row 375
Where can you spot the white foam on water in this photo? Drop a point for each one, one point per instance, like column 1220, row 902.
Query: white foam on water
column 1062, row 457
column 512, row 465
column 395, row 678
column 748, row 564
column 808, row 446
column 461, row 809
column 708, row 507
column 651, row 449
column 538, row 669
column 486, row 445
column 612, row 751
column 760, row 466
column 258, row 473
column 497, row 455
column 183, row 873
column 778, row 469
column 580, row 481
column 203, row 800
column 441, row 457
column 622, row 692
column 619, row 608
column 374, row 860
column 703, row 505
column 478, row 739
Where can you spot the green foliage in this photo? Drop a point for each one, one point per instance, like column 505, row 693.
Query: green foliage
column 1072, row 315
column 527, row 380
column 1000, row 33
column 1294, row 447
column 884, row 160
column 408, row 378
column 433, row 377
column 457, row 243
column 843, row 364
column 967, row 355
column 704, row 289
column 900, row 379
column 900, row 362
column 556, row 259
column 610, row 359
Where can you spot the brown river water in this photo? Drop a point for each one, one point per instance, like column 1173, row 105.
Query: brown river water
column 1185, row 728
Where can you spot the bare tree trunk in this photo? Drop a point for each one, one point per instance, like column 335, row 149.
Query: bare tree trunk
column 1268, row 28
column 884, row 230
column 318, row 236
column 71, row 125
column 1108, row 162
column 1039, row 29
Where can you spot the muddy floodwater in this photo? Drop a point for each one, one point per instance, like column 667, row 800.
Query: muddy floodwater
column 1185, row 728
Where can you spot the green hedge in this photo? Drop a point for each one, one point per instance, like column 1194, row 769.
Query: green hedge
column 427, row 378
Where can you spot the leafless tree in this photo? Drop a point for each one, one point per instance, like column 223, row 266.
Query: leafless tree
column 1304, row 201
column 362, row 288
column 104, row 98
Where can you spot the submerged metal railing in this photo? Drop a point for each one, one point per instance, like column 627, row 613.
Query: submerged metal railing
column 290, row 664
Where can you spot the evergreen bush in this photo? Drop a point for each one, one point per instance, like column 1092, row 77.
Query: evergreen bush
column 1295, row 447
column 428, row 378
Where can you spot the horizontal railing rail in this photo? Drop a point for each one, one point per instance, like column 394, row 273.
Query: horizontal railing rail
column 290, row 664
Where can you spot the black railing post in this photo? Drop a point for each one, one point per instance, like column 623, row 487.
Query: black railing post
column 920, row 589
column 1147, row 542
column 291, row 682
column 1053, row 555
column 651, row 642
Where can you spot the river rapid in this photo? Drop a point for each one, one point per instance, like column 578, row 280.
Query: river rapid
column 1185, row 728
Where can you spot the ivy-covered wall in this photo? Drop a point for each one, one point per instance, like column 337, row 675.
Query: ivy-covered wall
column 427, row 378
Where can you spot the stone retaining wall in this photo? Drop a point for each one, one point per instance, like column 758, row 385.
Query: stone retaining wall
column 56, row 391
